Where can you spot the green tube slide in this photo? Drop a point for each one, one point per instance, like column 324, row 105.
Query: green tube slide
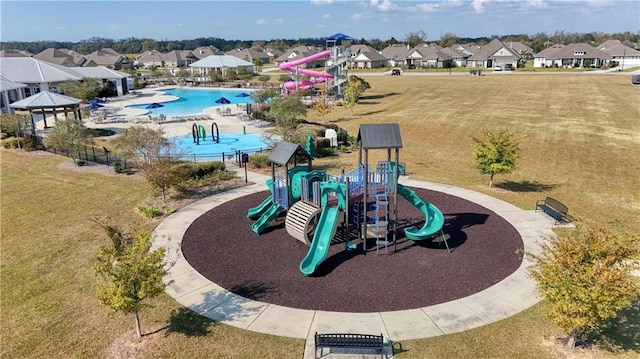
column 434, row 219
column 326, row 228
column 321, row 240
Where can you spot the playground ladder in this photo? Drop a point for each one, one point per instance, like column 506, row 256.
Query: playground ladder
column 380, row 226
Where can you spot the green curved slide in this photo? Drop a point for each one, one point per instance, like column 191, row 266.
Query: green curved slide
column 319, row 248
column 256, row 212
column 434, row 217
column 267, row 217
column 325, row 229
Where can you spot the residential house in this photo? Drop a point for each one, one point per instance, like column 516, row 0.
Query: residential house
column 396, row 54
column 38, row 75
column 572, row 55
column 150, row 58
column 109, row 58
column 10, row 92
column 366, row 57
column 297, row 53
column 179, row 58
column 15, row 53
column 495, row 53
column 204, row 51
column 250, row 55
column 523, row 50
column 64, row 57
column 273, row 53
column 427, row 56
column 621, row 53
column 456, row 58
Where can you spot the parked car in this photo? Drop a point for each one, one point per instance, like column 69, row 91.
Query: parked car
column 497, row 68
column 508, row 67
column 411, row 66
column 396, row 72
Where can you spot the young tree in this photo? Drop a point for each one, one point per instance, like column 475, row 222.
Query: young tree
column 68, row 135
column 283, row 77
column 285, row 111
column 264, row 79
column 415, row 38
column 129, row 273
column 214, row 76
column 587, row 278
column 351, row 94
column 183, row 75
column 86, row 89
column 257, row 62
column 496, row 153
column 152, row 153
column 322, row 105
column 14, row 125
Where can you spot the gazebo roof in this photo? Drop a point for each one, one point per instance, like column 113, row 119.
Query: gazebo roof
column 6, row 85
column 46, row 99
column 378, row 136
column 220, row 61
column 285, row 151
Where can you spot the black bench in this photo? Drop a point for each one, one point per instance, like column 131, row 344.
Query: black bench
column 554, row 208
column 349, row 341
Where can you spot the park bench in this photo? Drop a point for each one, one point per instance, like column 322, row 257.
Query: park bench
column 349, row 341
column 554, row 208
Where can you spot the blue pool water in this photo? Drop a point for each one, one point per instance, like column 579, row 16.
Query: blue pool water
column 229, row 143
column 193, row 101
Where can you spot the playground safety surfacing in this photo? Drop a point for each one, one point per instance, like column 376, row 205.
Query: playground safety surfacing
column 224, row 271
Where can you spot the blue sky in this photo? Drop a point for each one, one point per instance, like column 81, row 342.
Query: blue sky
column 27, row 20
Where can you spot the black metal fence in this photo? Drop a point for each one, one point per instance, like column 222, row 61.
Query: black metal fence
column 99, row 155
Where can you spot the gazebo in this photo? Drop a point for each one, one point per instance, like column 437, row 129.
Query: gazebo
column 45, row 102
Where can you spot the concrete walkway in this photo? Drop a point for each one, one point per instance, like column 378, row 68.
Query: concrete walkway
column 508, row 297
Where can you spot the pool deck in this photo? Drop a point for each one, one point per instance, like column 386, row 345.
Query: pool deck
column 118, row 109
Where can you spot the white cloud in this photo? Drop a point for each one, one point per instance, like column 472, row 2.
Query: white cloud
column 263, row 22
column 599, row 3
column 451, row 3
column 536, row 4
column 325, row 16
column 322, row 2
column 478, row 5
column 428, row 7
column 361, row 16
column 384, row 5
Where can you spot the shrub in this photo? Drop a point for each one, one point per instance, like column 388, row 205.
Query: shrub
column 326, row 152
column 199, row 170
column 260, row 160
column 12, row 142
column 81, row 163
column 149, row 211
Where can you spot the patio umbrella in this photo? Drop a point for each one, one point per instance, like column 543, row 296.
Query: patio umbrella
column 223, row 101
column 243, row 94
column 155, row 106
column 97, row 100
column 93, row 106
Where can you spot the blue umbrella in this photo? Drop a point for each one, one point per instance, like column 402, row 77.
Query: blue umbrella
column 223, row 101
column 155, row 106
column 93, row 106
column 97, row 100
column 243, row 94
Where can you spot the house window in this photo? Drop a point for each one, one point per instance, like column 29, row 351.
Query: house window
column 578, row 53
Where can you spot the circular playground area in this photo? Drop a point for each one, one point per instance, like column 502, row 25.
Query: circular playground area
column 485, row 249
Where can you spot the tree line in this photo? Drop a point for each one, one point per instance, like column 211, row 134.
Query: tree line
column 132, row 45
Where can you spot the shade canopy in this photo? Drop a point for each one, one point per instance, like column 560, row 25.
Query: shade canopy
column 243, row 94
column 154, row 105
column 223, row 101
column 93, row 106
column 46, row 99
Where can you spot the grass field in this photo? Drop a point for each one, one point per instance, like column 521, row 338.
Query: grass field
column 580, row 139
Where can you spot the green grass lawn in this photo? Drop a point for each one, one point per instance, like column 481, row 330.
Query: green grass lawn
column 580, row 139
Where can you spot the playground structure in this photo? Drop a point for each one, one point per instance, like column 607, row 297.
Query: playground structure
column 198, row 132
column 317, row 203
column 336, row 56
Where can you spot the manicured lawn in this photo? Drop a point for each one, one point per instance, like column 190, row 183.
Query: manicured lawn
column 580, row 143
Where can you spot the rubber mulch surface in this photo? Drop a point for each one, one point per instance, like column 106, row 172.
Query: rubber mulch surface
column 485, row 248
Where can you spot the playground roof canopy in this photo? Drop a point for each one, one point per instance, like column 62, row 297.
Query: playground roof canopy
column 379, row 136
column 285, row 151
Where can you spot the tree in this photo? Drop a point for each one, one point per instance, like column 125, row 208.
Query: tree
column 264, row 79
column 415, row 38
column 214, row 76
column 152, row 153
column 283, row 77
column 587, row 278
column 86, row 89
column 353, row 88
column 183, row 75
column 14, row 125
column 448, row 39
column 285, row 111
column 129, row 273
column 257, row 62
column 68, row 135
column 322, row 105
column 496, row 153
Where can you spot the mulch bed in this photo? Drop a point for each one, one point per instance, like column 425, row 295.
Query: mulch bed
column 485, row 248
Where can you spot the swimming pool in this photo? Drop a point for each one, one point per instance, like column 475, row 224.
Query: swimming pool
column 229, row 143
column 194, row 101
